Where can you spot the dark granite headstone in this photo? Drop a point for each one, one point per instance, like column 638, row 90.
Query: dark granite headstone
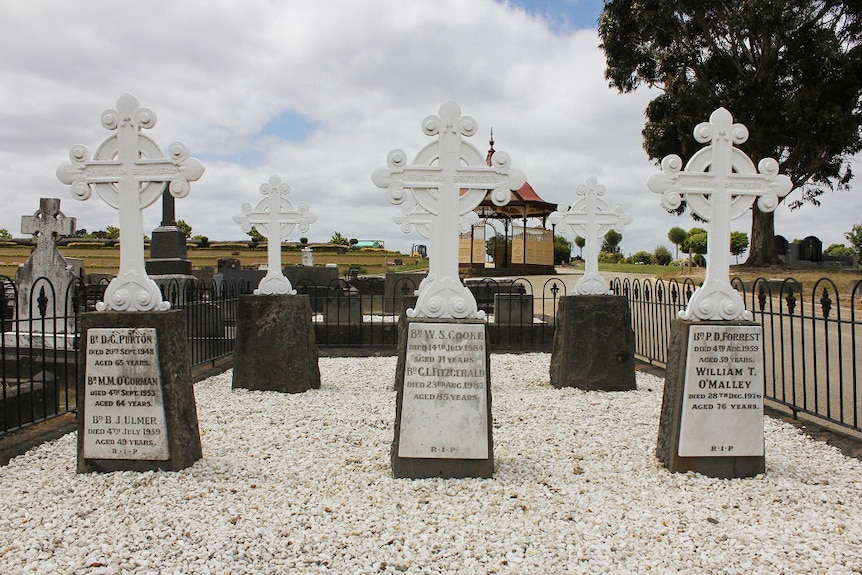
column 307, row 275
column 594, row 344
column 168, row 251
column 244, row 280
column 136, row 407
column 714, row 423
column 513, row 308
column 275, row 346
column 228, row 264
column 781, row 245
column 344, row 308
column 443, row 422
column 397, row 286
column 811, row 249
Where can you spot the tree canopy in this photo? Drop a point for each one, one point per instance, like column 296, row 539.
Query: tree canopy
column 580, row 242
column 854, row 236
column 185, row 228
column 611, row 243
column 338, row 239
column 677, row 235
column 790, row 71
column 738, row 244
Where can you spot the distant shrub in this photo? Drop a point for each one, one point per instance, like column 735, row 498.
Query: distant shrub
column 610, row 258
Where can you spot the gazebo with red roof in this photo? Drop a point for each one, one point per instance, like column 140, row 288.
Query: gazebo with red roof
column 520, row 249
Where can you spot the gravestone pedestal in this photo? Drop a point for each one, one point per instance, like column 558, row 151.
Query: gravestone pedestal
column 276, row 349
column 443, row 425
column 136, row 398
column 712, row 409
column 168, row 252
column 593, row 345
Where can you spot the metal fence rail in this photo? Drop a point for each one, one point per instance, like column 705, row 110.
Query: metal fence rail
column 810, row 356
column 810, row 352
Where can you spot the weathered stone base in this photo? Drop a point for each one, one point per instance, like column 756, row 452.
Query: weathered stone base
column 275, row 345
column 181, row 418
column 667, row 449
column 594, row 344
column 421, row 467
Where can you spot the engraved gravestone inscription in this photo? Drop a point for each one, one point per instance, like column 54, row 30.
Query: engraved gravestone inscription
column 444, row 407
column 722, row 407
column 124, row 405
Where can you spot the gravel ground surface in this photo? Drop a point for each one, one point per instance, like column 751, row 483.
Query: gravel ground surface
column 301, row 484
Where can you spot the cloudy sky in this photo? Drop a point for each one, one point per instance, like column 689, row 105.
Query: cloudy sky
column 318, row 92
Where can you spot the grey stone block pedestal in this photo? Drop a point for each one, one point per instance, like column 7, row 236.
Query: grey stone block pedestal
column 275, row 349
column 124, row 394
column 443, row 423
column 594, row 344
column 725, row 384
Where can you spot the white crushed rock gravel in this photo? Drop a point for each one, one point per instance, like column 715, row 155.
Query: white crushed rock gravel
column 301, row 484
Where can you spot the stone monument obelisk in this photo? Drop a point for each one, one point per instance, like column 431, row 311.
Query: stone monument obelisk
column 712, row 410
column 594, row 343
column 276, row 348
column 136, row 401
column 443, row 425
column 168, row 250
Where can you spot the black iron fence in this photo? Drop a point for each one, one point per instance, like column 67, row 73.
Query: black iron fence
column 811, row 339
column 810, row 352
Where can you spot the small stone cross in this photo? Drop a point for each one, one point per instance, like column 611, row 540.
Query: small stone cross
column 719, row 184
column 275, row 217
column 129, row 172
column 47, row 224
column 591, row 218
column 448, row 179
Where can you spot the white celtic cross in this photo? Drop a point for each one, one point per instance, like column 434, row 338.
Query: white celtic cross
column 591, row 218
column 719, row 183
column 448, row 179
column 275, row 217
column 129, row 173
column 47, row 224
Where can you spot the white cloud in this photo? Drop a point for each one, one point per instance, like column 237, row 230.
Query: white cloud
column 364, row 74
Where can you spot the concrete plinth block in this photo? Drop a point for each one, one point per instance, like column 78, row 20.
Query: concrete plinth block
column 594, row 344
column 275, row 349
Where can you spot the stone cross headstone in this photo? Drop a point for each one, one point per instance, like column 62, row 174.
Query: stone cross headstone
column 45, row 299
column 448, row 179
column 443, row 405
column 590, row 217
column 712, row 408
column 719, row 183
column 592, row 322
column 129, row 172
column 275, row 217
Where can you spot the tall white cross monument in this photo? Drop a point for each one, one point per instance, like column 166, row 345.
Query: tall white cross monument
column 275, row 217
column 719, row 184
column 448, row 179
column 129, row 172
column 591, row 218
